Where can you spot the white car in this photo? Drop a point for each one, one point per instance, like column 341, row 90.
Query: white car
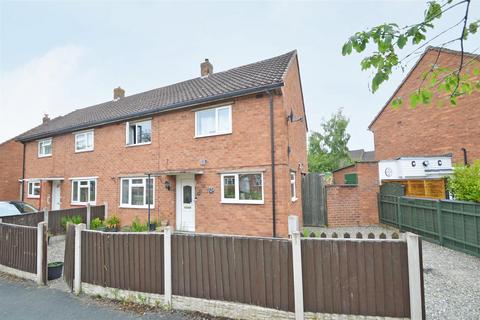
column 15, row 208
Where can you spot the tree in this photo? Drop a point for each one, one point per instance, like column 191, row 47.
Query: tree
column 390, row 38
column 465, row 182
column 327, row 150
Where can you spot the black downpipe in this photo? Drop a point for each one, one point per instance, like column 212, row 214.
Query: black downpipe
column 23, row 172
column 272, row 147
column 465, row 160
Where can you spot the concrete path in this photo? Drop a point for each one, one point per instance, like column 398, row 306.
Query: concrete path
column 23, row 300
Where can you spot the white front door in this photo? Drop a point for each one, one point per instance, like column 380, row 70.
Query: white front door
column 55, row 195
column 186, row 203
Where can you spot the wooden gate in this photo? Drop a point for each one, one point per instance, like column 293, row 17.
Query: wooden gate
column 69, row 260
column 313, row 200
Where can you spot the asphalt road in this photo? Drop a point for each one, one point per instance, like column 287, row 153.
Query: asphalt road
column 23, row 300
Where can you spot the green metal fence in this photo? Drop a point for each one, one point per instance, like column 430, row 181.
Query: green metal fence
column 454, row 224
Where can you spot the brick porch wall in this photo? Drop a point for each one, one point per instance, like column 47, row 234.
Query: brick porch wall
column 352, row 205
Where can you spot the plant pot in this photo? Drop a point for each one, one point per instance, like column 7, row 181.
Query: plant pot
column 103, row 229
column 153, row 227
column 55, row 270
column 115, row 229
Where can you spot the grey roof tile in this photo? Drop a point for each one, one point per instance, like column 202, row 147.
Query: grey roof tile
column 247, row 79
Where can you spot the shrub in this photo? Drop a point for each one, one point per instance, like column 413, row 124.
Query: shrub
column 465, row 182
column 113, row 222
column 138, row 226
column 96, row 224
column 73, row 219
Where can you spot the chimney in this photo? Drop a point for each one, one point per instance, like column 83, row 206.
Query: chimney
column 206, row 68
column 45, row 118
column 118, row 93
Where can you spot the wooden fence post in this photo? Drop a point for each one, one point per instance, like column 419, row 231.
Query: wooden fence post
column 77, row 279
column 297, row 275
column 167, row 252
column 89, row 215
column 45, row 216
column 40, row 252
column 439, row 222
column 414, row 276
column 399, row 214
column 105, row 210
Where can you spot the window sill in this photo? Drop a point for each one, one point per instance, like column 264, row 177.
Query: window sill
column 243, row 202
column 137, row 144
column 213, row 135
column 136, row 207
column 45, row 156
column 33, row 197
column 82, row 151
column 82, row 203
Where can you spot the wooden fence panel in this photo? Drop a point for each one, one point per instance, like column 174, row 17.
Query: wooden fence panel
column 460, row 225
column 130, row 261
column 18, row 247
column 29, row 219
column 455, row 224
column 356, row 277
column 313, row 200
column 239, row 269
column 97, row 212
column 69, row 258
column 55, row 218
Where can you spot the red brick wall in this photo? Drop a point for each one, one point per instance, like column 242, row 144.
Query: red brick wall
column 342, row 205
column 174, row 147
column 350, row 205
column 430, row 130
column 11, row 153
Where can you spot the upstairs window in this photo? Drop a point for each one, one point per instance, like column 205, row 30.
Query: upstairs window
column 137, row 192
column 34, row 189
column 84, row 191
column 45, row 147
column 139, row 132
column 213, row 121
column 84, row 141
column 242, row 188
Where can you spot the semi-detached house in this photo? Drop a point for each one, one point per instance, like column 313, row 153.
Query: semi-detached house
column 225, row 152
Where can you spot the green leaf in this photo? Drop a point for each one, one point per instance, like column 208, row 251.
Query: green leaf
column 434, row 11
column 402, row 41
column 414, row 99
column 397, row 102
column 347, row 48
column 475, row 71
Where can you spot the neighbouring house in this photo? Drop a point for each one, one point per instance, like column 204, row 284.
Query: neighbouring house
column 361, row 155
column 430, row 130
column 11, row 155
column 225, row 152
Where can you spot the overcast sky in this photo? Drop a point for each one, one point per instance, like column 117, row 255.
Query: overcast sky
column 59, row 56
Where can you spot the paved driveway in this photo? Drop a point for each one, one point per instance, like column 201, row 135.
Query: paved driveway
column 23, row 300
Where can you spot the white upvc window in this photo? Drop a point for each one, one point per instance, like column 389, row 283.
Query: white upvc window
column 137, row 192
column 242, row 188
column 139, row 132
column 45, row 147
column 84, row 191
column 214, row 121
column 33, row 189
column 84, row 141
column 293, row 187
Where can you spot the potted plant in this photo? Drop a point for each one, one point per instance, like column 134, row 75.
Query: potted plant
column 113, row 223
column 138, row 226
column 97, row 224
column 153, row 225
column 55, row 270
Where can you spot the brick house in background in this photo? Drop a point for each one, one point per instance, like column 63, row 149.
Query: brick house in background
column 11, row 155
column 225, row 152
column 430, row 130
